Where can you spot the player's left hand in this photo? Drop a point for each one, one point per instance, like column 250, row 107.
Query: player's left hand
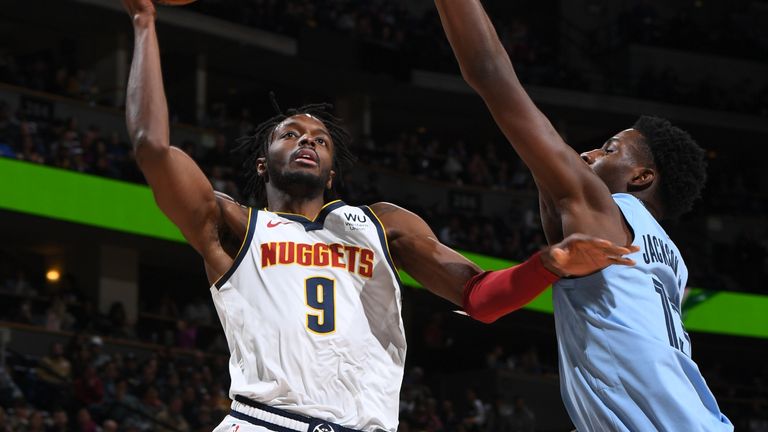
column 139, row 8
column 580, row 255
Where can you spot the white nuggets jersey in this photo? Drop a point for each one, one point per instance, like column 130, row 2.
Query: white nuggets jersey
column 625, row 357
column 311, row 311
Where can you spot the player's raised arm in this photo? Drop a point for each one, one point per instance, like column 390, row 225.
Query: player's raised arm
column 181, row 189
column 487, row 296
column 485, row 65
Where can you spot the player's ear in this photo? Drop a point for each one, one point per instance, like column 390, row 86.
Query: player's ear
column 642, row 178
column 331, row 176
column 261, row 167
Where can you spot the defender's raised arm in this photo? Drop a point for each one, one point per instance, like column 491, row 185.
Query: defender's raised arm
column 563, row 178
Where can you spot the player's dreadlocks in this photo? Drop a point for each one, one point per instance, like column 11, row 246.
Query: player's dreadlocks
column 679, row 160
column 255, row 146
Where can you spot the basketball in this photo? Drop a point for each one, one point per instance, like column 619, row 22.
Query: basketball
column 174, row 2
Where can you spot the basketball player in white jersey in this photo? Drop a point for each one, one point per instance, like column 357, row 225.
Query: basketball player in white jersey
column 307, row 289
column 625, row 358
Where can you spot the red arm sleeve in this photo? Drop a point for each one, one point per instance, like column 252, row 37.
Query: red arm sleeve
column 490, row 295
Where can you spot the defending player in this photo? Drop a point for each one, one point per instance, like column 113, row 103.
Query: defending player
column 624, row 355
column 311, row 304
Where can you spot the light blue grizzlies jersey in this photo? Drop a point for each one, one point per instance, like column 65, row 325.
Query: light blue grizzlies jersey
column 625, row 358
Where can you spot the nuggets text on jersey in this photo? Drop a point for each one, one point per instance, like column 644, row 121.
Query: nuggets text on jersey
column 354, row 259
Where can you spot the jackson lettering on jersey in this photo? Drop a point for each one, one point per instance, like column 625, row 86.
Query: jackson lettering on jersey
column 624, row 354
column 657, row 250
column 311, row 312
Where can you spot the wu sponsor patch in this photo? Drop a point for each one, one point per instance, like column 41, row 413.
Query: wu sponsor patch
column 355, row 222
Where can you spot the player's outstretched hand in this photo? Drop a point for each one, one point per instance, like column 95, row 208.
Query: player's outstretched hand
column 139, row 8
column 580, row 255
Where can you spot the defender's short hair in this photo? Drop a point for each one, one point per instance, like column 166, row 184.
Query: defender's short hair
column 681, row 164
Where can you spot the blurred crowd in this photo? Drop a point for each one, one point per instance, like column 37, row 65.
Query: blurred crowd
column 55, row 71
column 735, row 30
column 88, row 382
column 82, row 387
column 415, row 40
column 395, row 39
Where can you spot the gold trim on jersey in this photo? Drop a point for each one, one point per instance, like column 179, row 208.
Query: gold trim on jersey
column 386, row 241
column 301, row 215
column 237, row 256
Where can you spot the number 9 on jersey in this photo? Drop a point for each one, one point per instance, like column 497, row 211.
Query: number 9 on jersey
column 321, row 298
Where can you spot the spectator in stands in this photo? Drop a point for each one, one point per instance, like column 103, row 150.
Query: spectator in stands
column 110, row 425
column 36, row 422
column 57, row 318
column 425, row 416
column 503, row 178
column 124, row 406
column 54, row 368
column 190, row 402
column 529, row 362
column 219, row 400
column 151, row 404
column 495, row 358
column 198, row 311
column 453, row 168
column 204, row 419
column 19, row 415
column 166, row 307
column 500, row 417
column 523, row 419
column 4, row 424
column 19, row 285
column 9, row 391
column 448, row 416
column 219, row 155
column 758, row 417
column 85, row 422
column 59, row 421
column 9, row 69
column 98, row 358
column 222, row 183
column 88, row 388
column 478, row 172
column 87, row 317
column 172, row 385
column 32, row 147
column 452, row 234
column 10, row 132
column 489, row 239
column 149, row 374
column 119, row 326
column 475, row 415
column 173, row 415
column 54, row 376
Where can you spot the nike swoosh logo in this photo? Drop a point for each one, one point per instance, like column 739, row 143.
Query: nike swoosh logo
column 272, row 224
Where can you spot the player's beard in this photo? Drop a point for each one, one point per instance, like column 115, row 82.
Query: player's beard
column 298, row 183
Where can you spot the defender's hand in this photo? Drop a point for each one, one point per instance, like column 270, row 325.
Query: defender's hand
column 580, row 255
column 140, row 8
